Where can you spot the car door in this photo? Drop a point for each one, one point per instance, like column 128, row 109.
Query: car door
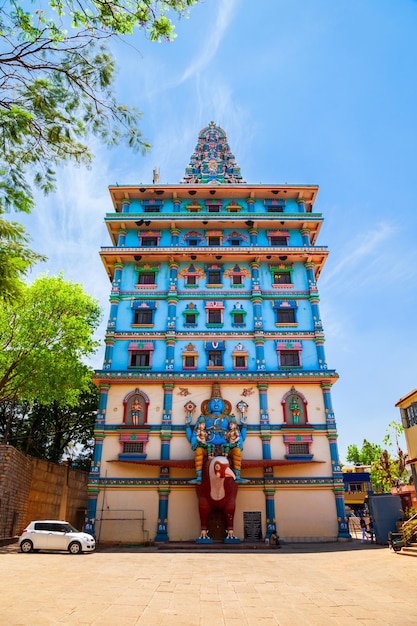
column 40, row 536
column 57, row 537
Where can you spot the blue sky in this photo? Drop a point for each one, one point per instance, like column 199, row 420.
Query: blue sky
column 309, row 92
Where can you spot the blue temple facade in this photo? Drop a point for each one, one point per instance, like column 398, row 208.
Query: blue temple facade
column 214, row 294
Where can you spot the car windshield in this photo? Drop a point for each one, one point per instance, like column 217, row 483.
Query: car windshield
column 69, row 528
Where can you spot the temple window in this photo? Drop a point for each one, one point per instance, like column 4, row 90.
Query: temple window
column 281, row 275
column 298, row 447
column 143, row 313
column 285, row 313
column 214, row 237
column 193, row 238
column 140, row 354
column 190, row 315
column 149, row 239
column 146, row 276
column 289, row 354
column 191, row 280
column 144, row 317
column 189, row 357
column 214, row 276
column 215, row 350
column 240, row 357
column 275, row 206
column 238, row 316
column 282, row 278
column 278, row 237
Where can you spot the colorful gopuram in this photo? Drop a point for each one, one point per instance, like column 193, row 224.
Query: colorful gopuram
column 215, row 352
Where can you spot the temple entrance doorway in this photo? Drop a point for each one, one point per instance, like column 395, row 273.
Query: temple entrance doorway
column 216, row 526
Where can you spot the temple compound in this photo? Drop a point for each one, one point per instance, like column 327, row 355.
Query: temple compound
column 215, row 420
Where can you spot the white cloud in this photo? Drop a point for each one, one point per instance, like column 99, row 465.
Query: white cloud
column 212, row 43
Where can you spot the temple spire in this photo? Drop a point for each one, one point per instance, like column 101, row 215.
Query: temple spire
column 212, row 161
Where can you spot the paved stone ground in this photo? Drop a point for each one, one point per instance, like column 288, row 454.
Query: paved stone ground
column 343, row 584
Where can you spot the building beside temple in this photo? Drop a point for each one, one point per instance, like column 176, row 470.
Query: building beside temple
column 214, row 303
column 408, row 409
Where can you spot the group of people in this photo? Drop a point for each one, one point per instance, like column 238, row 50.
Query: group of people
column 368, row 533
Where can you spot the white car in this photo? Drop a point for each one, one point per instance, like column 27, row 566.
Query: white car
column 55, row 535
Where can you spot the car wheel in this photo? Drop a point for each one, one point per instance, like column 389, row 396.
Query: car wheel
column 26, row 546
column 74, row 547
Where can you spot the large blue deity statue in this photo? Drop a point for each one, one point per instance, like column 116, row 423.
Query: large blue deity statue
column 216, row 432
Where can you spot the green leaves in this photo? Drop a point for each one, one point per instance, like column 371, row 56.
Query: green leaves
column 56, row 77
column 45, row 338
column 15, row 258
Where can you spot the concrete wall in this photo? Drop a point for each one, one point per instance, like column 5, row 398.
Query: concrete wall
column 36, row 489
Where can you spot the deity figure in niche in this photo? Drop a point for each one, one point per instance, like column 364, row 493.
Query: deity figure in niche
column 222, row 434
column 135, row 411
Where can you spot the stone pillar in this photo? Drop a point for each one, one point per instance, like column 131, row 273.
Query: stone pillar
column 125, row 205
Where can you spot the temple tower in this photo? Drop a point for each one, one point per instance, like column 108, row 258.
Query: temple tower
column 214, row 286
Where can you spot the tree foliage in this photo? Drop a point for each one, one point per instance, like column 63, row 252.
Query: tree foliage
column 368, row 453
column 52, row 431
column 56, row 85
column 16, row 258
column 44, row 338
column 387, row 469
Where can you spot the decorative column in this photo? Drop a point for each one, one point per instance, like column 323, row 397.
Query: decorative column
column 172, row 313
column 173, row 274
column 305, row 233
column 94, row 476
column 108, row 354
column 257, row 312
column 122, row 238
column 174, row 236
column 170, row 353
column 166, row 433
column 114, row 303
column 117, row 280
column 125, row 205
column 264, row 421
column 164, row 489
column 177, row 204
column 253, row 233
column 254, row 266
column 269, row 491
column 338, row 486
column 251, row 204
column 301, row 205
column 260, row 353
column 319, row 341
column 162, row 529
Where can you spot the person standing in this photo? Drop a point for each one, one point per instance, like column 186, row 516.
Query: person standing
column 362, row 524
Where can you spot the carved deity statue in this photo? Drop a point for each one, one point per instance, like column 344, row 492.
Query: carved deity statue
column 216, row 432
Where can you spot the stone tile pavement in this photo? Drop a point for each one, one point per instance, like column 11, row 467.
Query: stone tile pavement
column 343, row 584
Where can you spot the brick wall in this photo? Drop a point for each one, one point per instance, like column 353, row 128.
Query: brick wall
column 32, row 488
